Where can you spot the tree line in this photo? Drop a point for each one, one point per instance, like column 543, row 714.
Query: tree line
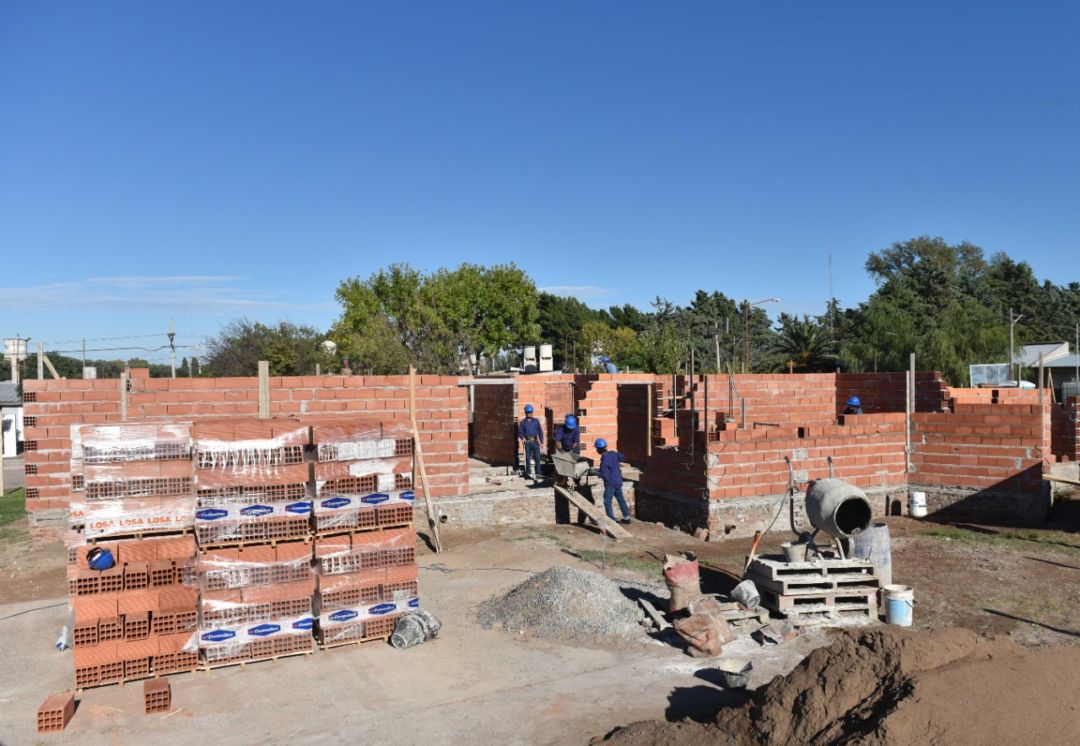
column 949, row 304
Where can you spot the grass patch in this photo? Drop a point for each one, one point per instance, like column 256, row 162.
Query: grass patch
column 620, row 561
column 12, row 506
column 1016, row 541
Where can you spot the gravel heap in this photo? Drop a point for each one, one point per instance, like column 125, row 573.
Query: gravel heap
column 564, row 603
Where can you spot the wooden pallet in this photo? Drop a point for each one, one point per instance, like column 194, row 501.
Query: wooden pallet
column 211, row 665
column 807, row 603
column 327, row 533
column 358, row 641
column 775, row 568
column 813, row 583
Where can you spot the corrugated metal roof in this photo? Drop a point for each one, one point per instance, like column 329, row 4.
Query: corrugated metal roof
column 1068, row 361
column 9, row 395
column 1029, row 354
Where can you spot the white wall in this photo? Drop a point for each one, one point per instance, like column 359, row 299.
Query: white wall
column 13, row 429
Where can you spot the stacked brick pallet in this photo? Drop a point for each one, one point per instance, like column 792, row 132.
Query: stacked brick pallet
column 254, row 565
column 824, row 590
column 211, row 527
column 133, row 496
column 365, row 544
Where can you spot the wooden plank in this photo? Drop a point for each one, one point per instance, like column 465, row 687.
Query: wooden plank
column 264, row 389
column 606, row 525
column 1059, row 478
column 656, row 616
column 812, row 583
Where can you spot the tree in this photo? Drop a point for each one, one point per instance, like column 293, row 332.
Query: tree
column 439, row 319
column 807, row 343
column 289, row 348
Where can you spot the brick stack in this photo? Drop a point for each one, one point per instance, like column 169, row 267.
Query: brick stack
column 365, row 546
column 254, row 565
column 132, row 494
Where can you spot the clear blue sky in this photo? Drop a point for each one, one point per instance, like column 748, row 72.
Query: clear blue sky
column 207, row 160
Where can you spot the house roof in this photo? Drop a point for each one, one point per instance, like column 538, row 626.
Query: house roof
column 1068, row 361
column 1052, row 351
column 9, row 395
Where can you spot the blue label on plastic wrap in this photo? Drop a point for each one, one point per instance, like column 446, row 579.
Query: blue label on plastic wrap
column 336, row 502
column 217, row 635
column 407, row 495
column 375, row 498
column 414, row 603
column 262, row 630
column 344, row 615
column 305, row 623
column 379, row 609
column 257, row 510
column 211, row 514
column 299, row 508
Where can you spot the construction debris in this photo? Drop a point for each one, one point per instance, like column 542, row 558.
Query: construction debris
column 564, row 603
column 705, row 630
column 682, row 575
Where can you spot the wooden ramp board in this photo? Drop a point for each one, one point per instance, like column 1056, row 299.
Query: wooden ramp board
column 1059, row 478
column 606, row 524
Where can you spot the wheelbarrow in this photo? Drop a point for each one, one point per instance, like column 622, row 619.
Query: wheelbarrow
column 570, row 470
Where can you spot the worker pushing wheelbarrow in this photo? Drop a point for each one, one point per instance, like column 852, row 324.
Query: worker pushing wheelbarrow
column 569, row 466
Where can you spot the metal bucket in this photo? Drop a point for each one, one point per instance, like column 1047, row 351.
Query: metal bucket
column 746, row 593
column 735, row 672
column 795, row 551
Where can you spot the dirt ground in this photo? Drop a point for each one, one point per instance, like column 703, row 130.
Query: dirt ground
column 481, row 686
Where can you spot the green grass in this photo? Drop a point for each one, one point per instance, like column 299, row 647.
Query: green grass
column 12, row 506
column 1017, row 541
column 620, row 561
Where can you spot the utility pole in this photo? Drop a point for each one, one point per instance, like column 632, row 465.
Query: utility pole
column 746, row 336
column 84, row 358
column 717, row 338
column 172, row 346
column 1012, row 355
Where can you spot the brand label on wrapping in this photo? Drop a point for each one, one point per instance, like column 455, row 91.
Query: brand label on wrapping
column 217, row 635
column 408, row 495
column 375, row 498
column 299, row 508
column 262, row 630
column 414, row 603
column 303, row 624
column 380, row 609
column 344, row 615
column 256, row 510
column 336, row 502
column 211, row 514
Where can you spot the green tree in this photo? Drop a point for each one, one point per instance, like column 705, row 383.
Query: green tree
column 808, row 343
column 290, row 349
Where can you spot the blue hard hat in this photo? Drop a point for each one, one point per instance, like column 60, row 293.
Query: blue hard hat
column 571, row 422
column 100, row 559
column 600, row 443
column 528, row 409
column 854, row 402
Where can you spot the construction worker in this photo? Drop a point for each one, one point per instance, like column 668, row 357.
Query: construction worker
column 532, row 435
column 854, row 405
column 612, row 476
column 567, row 437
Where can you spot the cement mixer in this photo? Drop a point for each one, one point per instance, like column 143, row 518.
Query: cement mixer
column 837, row 508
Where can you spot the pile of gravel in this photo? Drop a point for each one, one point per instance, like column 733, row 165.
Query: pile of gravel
column 564, row 603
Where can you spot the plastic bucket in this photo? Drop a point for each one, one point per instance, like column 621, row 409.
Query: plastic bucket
column 917, row 505
column 746, row 593
column 794, row 552
column 873, row 544
column 899, row 605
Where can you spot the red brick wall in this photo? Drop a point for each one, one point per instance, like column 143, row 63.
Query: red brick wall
column 785, row 399
column 867, row 450
column 997, row 447
column 632, row 423
column 1065, row 438
column 442, row 416
column 885, row 392
column 493, row 434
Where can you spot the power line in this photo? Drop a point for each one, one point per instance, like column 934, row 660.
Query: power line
column 130, row 336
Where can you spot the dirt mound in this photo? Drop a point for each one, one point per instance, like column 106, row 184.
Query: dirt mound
column 889, row 686
column 564, row 603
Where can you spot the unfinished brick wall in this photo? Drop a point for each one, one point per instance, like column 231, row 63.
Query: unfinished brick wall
column 886, row 392
column 55, row 405
column 982, row 460
column 493, row 432
column 778, row 399
column 632, row 423
column 1065, row 433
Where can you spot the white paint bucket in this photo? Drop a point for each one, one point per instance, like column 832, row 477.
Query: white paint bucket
column 899, row 605
column 917, row 505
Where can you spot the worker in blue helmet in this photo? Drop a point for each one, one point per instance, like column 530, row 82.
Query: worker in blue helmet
column 532, row 436
column 854, row 405
column 612, row 476
column 568, row 437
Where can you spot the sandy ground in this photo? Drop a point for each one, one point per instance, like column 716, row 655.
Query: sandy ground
column 469, row 686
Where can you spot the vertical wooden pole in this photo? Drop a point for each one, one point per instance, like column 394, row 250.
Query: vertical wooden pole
column 124, row 394
column 264, row 389
column 40, row 360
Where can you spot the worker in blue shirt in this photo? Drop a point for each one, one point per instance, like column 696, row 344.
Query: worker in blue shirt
column 567, row 436
column 532, row 435
column 854, row 406
column 612, row 476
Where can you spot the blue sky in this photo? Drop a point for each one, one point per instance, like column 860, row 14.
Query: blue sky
column 206, row 160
